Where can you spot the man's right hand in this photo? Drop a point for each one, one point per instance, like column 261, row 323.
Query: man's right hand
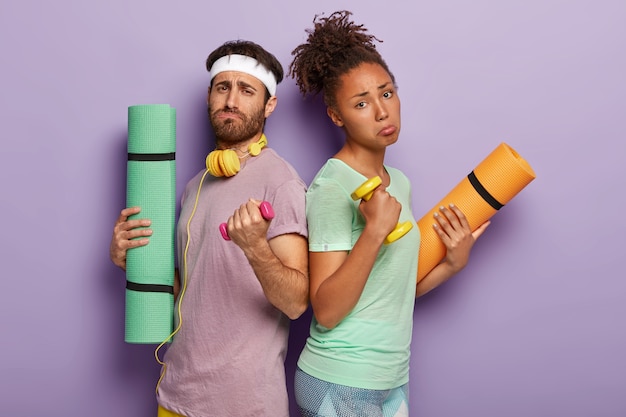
column 127, row 235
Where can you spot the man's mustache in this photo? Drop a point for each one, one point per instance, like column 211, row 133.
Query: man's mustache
column 225, row 110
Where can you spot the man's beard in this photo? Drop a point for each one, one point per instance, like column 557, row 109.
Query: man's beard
column 236, row 130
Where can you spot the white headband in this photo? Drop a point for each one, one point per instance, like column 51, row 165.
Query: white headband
column 245, row 64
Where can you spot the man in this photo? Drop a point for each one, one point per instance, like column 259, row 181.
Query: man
column 235, row 296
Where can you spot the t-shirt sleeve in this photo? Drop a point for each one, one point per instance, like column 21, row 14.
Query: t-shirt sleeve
column 288, row 203
column 330, row 213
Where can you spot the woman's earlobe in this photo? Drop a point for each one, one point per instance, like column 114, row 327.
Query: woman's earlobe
column 334, row 117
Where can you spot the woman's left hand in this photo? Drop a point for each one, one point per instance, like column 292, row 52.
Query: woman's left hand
column 455, row 233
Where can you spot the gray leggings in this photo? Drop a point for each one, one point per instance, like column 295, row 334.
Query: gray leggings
column 318, row 398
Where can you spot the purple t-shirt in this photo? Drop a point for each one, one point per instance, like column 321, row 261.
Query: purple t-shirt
column 228, row 357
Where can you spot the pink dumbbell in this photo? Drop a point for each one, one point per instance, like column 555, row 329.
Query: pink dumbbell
column 266, row 211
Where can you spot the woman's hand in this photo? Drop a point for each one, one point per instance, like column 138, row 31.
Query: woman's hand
column 455, row 233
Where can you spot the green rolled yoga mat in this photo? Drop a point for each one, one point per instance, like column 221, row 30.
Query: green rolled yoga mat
column 151, row 185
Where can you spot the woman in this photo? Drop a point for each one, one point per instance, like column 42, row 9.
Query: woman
column 356, row 359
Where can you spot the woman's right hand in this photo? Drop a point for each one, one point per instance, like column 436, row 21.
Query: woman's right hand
column 127, row 234
column 381, row 212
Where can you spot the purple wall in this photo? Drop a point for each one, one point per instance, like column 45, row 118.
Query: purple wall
column 533, row 326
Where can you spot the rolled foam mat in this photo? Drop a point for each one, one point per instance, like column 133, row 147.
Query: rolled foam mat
column 491, row 185
column 151, row 184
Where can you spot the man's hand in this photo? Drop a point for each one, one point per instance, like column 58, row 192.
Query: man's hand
column 127, row 234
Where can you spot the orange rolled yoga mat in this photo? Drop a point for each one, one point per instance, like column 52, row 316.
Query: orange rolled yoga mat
column 491, row 185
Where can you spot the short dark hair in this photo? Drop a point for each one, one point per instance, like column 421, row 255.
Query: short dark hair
column 251, row 49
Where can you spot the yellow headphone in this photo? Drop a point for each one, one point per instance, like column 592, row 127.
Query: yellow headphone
column 225, row 162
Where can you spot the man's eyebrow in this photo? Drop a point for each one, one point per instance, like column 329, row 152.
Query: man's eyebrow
column 245, row 85
column 224, row 82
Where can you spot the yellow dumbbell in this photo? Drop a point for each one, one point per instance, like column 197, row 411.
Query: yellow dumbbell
column 365, row 191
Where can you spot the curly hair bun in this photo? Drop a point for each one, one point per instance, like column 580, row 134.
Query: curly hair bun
column 334, row 46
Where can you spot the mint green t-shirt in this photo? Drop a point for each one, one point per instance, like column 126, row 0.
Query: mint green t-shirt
column 370, row 348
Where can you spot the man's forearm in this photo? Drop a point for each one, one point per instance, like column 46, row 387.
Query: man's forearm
column 285, row 283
